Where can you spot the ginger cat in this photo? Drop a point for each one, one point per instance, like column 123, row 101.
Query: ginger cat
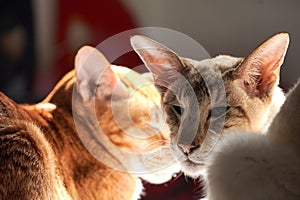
column 205, row 99
column 42, row 150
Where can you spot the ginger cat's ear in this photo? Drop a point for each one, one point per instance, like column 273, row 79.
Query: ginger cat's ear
column 259, row 72
column 161, row 61
column 93, row 70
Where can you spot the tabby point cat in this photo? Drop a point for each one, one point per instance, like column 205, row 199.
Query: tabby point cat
column 42, row 155
column 204, row 99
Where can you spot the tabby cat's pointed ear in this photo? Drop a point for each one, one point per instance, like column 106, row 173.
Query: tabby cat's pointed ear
column 259, row 72
column 161, row 61
column 93, row 69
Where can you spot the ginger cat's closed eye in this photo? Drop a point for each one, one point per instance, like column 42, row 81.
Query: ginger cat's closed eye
column 41, row 152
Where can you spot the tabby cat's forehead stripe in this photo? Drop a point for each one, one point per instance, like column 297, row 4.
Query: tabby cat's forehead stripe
column 226, row 70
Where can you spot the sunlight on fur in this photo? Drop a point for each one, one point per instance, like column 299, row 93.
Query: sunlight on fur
column 45, row 157
column 205, row 99
column 251, row 166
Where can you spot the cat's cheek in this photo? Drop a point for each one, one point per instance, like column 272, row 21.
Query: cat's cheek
column 163, row 175
column 177, row 153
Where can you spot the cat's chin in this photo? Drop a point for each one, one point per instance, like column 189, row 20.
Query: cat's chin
column 192, row 169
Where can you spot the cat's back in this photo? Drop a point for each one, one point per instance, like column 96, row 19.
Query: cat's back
column 27, row 162
column 10, row 110
column 249, row 166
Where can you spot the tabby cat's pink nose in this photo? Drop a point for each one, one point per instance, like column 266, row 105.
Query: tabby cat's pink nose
column 186, row 148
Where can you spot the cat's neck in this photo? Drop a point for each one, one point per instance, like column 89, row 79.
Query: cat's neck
column 61, row 95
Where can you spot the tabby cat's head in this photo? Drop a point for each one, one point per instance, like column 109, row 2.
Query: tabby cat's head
column 203, row 99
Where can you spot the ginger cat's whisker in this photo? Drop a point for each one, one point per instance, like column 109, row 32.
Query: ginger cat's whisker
column 56, row 150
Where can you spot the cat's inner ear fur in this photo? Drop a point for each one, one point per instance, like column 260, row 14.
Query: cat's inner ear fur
column 93, row 73
column 259, row 72
column 164, row 64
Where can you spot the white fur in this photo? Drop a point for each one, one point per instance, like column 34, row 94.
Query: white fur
column 256, row 166
column 277, row 101
column 138, row 190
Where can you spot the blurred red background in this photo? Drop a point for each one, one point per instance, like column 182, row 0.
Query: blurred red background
column 39, row 39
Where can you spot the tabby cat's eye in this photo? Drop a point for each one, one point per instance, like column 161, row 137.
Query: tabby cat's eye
column 177, row 109
column 219, row 111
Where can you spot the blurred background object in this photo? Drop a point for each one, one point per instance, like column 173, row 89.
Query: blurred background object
column 16, row 49
column 39, row 39
column 64, row 26
column 230, row 27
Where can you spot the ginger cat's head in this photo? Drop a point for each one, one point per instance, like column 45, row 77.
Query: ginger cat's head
column 120, row 116
column 204, row 99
